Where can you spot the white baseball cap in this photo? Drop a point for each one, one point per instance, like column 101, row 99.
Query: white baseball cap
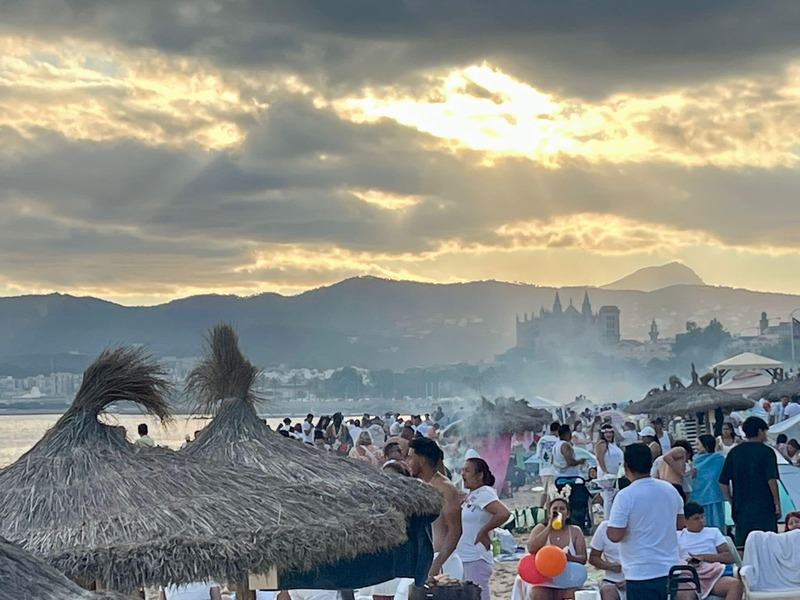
column 647, row 431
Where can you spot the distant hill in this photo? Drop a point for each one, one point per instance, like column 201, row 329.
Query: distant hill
column 365, row 321
column 650, row 279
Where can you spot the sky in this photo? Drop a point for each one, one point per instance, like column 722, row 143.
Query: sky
column 151, row 150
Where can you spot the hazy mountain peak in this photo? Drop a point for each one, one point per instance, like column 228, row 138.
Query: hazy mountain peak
column 649, row 279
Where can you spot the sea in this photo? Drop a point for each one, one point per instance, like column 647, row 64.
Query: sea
column 18, row 433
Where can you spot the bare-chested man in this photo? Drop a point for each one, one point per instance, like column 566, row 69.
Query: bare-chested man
column 424, row 456
column 673, row 465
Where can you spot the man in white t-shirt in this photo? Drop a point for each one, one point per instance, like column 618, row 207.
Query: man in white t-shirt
column 700, row 544
column 604, row 555
column 308, row 429
column 791, row 410
column 544, row 453
column 645, row 520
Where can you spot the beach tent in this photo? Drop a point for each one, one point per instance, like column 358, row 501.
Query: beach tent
column 748, row 361
column 25, row 577
column 791, row 427
column 745, row 382
column 222, row 384
column 98, row 508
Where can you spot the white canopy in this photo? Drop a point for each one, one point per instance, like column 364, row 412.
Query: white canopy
column 748, row 360
column 791, row 427
column 746, row 382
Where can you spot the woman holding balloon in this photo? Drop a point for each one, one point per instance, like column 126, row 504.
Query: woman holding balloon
column 557, row 556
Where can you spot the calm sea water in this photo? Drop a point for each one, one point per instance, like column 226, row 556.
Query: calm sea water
column 18, row 433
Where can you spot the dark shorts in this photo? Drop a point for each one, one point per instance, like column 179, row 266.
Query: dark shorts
column 748, row 523
column 679, row 487
column 647, row 589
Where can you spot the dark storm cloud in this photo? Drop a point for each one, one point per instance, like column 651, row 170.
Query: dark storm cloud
column 584, row 47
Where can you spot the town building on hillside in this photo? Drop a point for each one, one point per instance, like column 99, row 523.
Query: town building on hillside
column 569, row 330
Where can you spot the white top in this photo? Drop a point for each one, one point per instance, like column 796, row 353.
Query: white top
column 723, row 447
column 704, row 541
column 308, row 432
column 609, row 550
column 666, row 445
column 354, row 432
column 473, row 519
column 544, row 451
column 200, row 590
column 629, row 437
column 422, row 429
column 777, row 411
column 560, row 462
column 648, row 508
column 395, row 428
column 613, row 459
column 792, row 410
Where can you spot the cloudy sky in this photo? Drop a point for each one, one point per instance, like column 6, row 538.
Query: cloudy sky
column 151, row 150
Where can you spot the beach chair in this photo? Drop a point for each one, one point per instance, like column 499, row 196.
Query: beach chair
column 752, row 595
column 683, row 579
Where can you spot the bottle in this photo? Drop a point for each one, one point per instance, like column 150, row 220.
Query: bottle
column 495, row 545
column 558, row 522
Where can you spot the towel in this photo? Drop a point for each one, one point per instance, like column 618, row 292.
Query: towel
column 709, row 574
column 772, row 561
column 705, row 487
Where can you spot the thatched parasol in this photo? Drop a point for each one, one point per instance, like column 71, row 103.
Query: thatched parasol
column 222, row 384
column 97, row 507
column 503, row 416
column 695, row 398
column 24, row 576
column 785, row 387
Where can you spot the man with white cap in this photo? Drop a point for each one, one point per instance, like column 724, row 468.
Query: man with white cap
column 648, row 435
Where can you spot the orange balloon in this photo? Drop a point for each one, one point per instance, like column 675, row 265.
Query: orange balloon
column 551, row 561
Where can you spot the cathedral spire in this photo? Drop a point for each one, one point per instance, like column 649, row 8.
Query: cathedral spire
column 557, row 310
column 653, row 332
column 586, row 309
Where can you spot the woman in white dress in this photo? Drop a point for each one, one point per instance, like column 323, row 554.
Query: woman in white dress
column 727, row 441
column 609, row 459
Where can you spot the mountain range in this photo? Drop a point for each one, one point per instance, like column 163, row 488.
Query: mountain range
column 364, row 321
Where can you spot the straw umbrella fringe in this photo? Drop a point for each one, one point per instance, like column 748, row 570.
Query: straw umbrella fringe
column 238, row 437
column 24, row 576
column 97, row 507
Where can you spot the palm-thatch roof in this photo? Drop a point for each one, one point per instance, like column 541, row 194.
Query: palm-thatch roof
column 697, row 397
column 786, row 387
column 95, row 506
column 236, row 437
column 24, row 576
column 503, row 416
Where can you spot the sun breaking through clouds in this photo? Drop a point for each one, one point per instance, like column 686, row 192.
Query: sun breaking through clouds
column 154, row 150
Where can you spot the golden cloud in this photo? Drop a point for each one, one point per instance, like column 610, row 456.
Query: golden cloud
column 731, row 123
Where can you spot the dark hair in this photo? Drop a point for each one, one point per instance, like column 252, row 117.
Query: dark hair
column 781, row 439
column 390, row 447
column 686, row 446
column 554, row 426
column 284, row 433
column 398, row 467
column 287, row 420
column 708, row 442
column 564, row 430
column 638, row 458
column 428, row 449
column 793, row 442
column 142, row 429
column 753, row 425
column 318, row 435
column 309, row 416
column 691, row 509
column 482, row 468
